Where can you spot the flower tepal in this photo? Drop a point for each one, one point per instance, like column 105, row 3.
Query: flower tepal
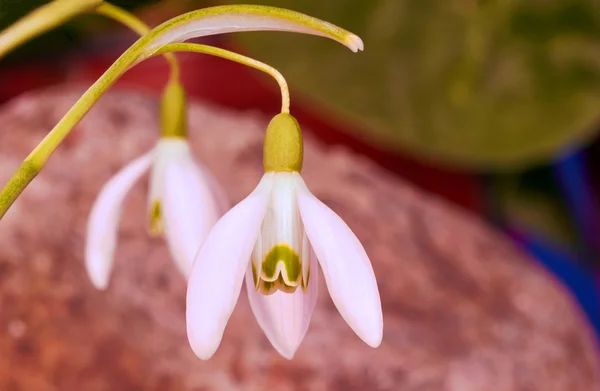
column 184, row 204
column 185, row 200
column 275, row 238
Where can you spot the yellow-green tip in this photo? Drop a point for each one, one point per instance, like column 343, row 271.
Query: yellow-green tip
column 173, row 111
column 283, row 149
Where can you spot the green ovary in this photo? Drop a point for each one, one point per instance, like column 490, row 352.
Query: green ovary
column 281, row 269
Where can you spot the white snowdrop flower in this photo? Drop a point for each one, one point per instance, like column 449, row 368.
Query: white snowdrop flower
column 275, row 237
column 185, row 202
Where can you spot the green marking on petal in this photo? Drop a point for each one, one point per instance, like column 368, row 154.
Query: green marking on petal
column 156, row 224
column 281, row 269
column 267, row 287
column 282, row 254
column 270, row 287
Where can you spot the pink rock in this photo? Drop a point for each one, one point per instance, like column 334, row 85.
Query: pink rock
column 463, row 309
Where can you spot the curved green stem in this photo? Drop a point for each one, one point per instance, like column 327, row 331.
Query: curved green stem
column 41, row 20
column 123, row 17
column 135, row 24
column 203, row 22
column 57, row 12
column 173, row 115
column 32, row 165
column 226, row 54
column 152, row 42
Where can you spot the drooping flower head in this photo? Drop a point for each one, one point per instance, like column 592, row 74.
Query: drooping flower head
column 185, row 200
column 276, row 237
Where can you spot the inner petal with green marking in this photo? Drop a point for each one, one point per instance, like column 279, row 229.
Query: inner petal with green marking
column 281, row 255
column 281, row 269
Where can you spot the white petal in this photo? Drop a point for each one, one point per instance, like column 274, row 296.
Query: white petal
column 167, row 150
column 189, row 208
column 104, row 220
column 346, row 267
column 188, row 205
column 218, row 271
column 284, row 317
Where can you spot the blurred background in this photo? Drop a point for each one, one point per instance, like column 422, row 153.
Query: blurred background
column 493, row 105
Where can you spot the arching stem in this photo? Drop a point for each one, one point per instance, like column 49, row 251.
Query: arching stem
column 213, row 51
column 33, row 164
column 41, row 20
column 204, row 22
column 135, row 24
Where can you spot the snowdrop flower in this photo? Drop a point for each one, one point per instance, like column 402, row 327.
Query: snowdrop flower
column 274, row 237
column 185, row 200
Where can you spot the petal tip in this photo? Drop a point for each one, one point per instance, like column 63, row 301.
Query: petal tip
column 369, row 330
column 372, row 335
column 355, row 43
column 98, row 277
column 100, row 284
column 202, row 354
column 288, row 356
column 203, row 349
column 288, row 352
column 375, row 340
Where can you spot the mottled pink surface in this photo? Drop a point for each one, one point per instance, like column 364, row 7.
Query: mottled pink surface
column 463, row 310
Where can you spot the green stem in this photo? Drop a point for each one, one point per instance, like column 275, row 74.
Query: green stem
column 173, row 116
column 16, row 184
column 135, row 24
column 41, row 20
column 226, row 54
column 146, row 46
column 32, row 165
column 57, row 12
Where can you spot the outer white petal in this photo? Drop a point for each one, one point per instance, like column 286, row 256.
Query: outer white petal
column 104, row 220
column 167, row 150
column 346, row 267
column 218, row 271
column 284, row 317
column 189, row 208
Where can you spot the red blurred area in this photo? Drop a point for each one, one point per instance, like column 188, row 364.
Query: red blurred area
column 232, row 85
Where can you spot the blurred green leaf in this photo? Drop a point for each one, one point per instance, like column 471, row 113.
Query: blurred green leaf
column 485, row 85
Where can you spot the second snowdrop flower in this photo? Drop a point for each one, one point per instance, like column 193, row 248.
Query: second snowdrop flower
column 269, row 238
column 185, row 200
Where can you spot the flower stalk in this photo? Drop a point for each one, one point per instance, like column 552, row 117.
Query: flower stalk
column 41, row 20
column 173, row 111
column 226, row 54
column 204, row 22
column 127, row 19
